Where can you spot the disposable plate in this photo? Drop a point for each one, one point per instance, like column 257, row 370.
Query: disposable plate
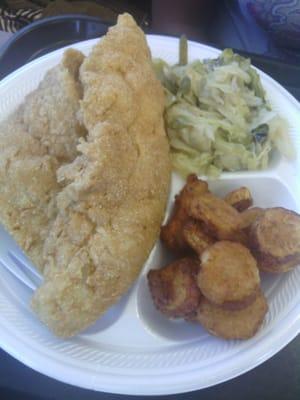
column 133, row 349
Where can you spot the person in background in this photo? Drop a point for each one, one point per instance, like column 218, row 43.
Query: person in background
column 176, row 17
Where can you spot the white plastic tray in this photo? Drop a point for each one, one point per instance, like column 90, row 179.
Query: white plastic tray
column 133, row 349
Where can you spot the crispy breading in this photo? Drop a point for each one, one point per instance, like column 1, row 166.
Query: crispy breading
column 275, row 240
column 172, row 233
column 193, row 188
column 229, row 275
column 32, row 141
column 240, row 199
column 50, row 112
column 174, row 289
column 116, row 188
column 196, row 237
column 249, row 216
column 221, row 219
column 227, row 324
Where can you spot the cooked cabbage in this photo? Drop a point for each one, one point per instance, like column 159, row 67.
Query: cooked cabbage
column 218, row 118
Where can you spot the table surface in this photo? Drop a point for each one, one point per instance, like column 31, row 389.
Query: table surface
column 278, row 378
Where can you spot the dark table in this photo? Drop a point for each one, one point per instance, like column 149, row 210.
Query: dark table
column 278, row 378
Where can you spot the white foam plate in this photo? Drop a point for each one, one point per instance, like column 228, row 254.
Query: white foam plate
column 133, row 349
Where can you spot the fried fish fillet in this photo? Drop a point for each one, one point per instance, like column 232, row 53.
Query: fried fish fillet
column 241, row 198
column 50, row 112
column 34, row 142
column 114, row 192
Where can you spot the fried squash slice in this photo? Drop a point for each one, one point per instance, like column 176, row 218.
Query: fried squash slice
column 275, row 240
column 240, row 199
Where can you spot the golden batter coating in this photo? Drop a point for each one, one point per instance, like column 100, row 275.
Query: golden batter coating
column 172, row 233
column 35, row 141
column 174, row 289
column 193, row 188
column 112, row 188
column 221, row 219
column 196, row 237
column 228, row 276
column 275, row 240
column 79, row 190
column 240, row 199
column 249, row 216
column 227, row 324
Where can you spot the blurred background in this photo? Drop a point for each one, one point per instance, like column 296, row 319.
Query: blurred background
column 270, row 27
column 268, row 31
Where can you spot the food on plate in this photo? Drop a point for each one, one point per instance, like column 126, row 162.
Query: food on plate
column 194, row 187
column 196, row 236
column 228, row 324
column 111, row 187
column 221, row 219
column 228, row 276
column 229, row 241
column 275, row 240
column 35, row 141
column 85, row 179
column 172, row 233
column 174, row 289
column 240, row 199
column 218, row 117
column 249, row 216
column 50, row 111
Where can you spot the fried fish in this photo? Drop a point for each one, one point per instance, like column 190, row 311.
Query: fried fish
column 85, row 175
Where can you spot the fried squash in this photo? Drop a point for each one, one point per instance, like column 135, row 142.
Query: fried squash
column 249, row 216
column 172, row 233
column 275, row 240
column 227, row 324
column 196, row 236
column 174, row 289
column 240, row 199
column 228, row 276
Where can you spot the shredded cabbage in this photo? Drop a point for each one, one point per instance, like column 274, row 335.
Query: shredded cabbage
column 218, row 118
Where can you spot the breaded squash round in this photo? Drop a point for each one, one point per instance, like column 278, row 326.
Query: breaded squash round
column 240, row 199
column 249, row 216
column 275, row 240
column 228, row 276
column 220, row 218
column 228, row 324
column 174, row 288
column 196, row 237
column 171, row 234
